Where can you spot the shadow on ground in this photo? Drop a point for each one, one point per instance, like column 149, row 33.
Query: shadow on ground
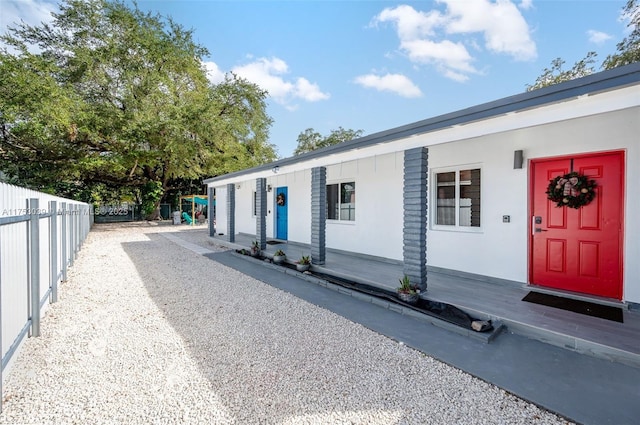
column 584, row 389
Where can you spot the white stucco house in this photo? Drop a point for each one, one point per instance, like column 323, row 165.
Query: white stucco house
column 466, row 191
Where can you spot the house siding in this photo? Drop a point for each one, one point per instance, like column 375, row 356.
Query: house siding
column 604, row 120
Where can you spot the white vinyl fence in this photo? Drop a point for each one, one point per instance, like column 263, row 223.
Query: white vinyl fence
column 40, row 236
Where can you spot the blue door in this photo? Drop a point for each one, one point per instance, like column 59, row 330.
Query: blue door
column 281, row 212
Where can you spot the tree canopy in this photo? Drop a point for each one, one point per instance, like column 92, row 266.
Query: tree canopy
column 627, row 52
column 310, row 140
column 108, row 100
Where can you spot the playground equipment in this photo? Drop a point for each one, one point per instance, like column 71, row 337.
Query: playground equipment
column 187, row 218
column 194, row 200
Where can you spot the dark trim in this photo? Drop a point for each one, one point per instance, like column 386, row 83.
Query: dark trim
column 414, row 231
column 591, row 84
column 261, row 210
column 231, row 212
column 318, row 215
column 210, row 211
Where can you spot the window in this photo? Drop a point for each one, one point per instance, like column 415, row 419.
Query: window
column 458, row 198
column 341, row 201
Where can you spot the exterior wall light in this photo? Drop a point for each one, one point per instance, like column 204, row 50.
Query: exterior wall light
column 518, row 159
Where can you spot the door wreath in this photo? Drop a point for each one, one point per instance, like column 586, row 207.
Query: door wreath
column 280, row 199
column 573, row 190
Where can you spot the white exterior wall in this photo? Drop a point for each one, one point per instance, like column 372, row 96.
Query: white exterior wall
column 599, row 122
column 298, row 201
column 221, row 210
column 501, row 249
column 377, row 229
column 298, row 185
column 245, row 220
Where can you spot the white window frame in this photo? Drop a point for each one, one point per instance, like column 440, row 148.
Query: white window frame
column 340, row 183
column 433, row 207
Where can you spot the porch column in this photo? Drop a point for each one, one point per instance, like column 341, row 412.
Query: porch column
column 210, row 211
column 231, row 212
column 318, row 215
column 415, row 215
column 261, row 212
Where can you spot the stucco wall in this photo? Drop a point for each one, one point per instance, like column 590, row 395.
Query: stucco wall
column 298, row 185
column 221, row 210
column 496, row 249
column 298, row 202
column 377, row 229
column 501, row 249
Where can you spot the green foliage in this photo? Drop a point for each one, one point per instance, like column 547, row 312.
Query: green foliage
column 310, row 140
column 305, row 259
column 627, row 52
column 118, row 100
column 151, row 193
column 555, row 74
column 406, row 286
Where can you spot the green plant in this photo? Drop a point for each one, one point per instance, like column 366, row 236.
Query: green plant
column 151, row 194
column 279, row 253
column 255, row 249
column 406, row 286
column 305, row 259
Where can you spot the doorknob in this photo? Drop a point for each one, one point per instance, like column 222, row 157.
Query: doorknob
column 538, row 230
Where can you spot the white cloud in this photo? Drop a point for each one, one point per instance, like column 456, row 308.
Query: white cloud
column 32, row 12
column 269, row 74
column 503, row 26
column 411, row 23
column 446, row 53
column 598, row 37
column 438, row 39
column 526, row 4
column 214, row 74
column 309, row 91
column 395, row 83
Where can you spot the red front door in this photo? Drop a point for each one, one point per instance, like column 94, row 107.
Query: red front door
column 579, row 250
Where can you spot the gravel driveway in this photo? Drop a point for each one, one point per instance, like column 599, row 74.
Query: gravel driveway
column 148, row 332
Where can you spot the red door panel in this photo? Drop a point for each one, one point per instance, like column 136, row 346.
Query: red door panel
column 579, row 250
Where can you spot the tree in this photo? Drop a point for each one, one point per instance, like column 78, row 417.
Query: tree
column 310, row 140
column 115, row 98
column 628, row 50
column 555, row 74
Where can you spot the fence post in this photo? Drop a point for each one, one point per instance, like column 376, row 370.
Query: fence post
column 53, row 228
column 63, row 233
column 76, row 244
column 34, row 260
column 72, row 236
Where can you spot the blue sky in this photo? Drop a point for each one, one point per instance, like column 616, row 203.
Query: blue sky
column 375, row 65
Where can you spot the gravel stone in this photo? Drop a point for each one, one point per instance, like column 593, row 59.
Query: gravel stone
column 147, row 331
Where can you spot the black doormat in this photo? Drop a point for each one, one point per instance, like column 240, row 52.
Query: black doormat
column 577, row 306
column 274, row 242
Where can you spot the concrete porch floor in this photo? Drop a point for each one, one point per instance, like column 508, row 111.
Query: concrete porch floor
column 483, row 298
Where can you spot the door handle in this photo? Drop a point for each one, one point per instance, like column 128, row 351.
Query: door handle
column 536, row 220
